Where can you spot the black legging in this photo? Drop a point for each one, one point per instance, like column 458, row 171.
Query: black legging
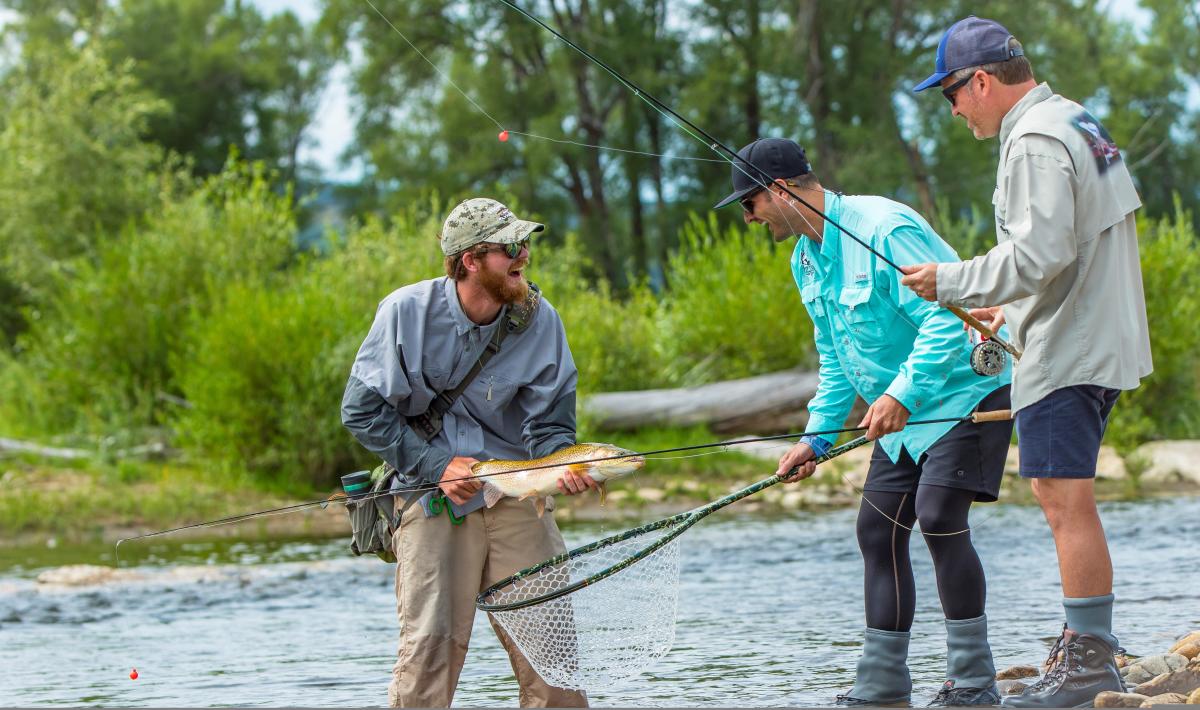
column 890, row 591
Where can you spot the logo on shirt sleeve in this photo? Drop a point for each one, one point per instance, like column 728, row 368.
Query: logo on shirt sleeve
column 1101, row 143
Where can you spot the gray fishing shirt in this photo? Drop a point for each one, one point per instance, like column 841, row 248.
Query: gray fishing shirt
column 520, row 405
column 1066, row 266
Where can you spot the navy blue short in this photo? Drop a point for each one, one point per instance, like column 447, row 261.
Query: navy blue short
column 1059, row 435
column 970, row 456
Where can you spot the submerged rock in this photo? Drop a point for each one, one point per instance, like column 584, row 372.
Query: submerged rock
column 82, row 575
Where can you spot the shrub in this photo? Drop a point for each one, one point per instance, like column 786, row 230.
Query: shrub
column 1166, row 404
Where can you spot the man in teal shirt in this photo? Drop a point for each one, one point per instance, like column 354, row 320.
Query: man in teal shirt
column 907, row 358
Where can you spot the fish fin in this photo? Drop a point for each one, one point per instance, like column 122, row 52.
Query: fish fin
column 530, row 494
column 541, row 506
column 580, row 468
column 491, row 494
column 603, row 492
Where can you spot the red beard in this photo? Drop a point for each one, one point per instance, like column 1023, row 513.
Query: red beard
column 499, row 286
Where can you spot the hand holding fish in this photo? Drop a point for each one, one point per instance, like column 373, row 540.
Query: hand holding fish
column 572, row 470
column 571, row 483
column 885, row 416
column 922, row 279
column 801, row 455
column 456, row 480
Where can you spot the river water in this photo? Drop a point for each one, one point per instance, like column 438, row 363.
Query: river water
column 770, row 614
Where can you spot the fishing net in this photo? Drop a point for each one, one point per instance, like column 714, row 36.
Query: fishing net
column 583, row 626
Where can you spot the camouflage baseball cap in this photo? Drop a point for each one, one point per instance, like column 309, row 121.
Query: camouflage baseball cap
column 482, row 220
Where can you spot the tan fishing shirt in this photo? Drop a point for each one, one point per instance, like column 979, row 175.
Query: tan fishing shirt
column 1066, row 265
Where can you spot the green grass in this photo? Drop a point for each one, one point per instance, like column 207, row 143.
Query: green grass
column 103, row 500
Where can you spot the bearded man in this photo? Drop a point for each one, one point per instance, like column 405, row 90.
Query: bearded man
column 403, row 403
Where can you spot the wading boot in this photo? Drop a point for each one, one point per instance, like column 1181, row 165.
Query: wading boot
column 1081, row 666
column 969, row 666
column 882, row 678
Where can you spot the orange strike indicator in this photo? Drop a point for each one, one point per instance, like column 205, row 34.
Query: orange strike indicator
column 133, row 675
column 503, row 136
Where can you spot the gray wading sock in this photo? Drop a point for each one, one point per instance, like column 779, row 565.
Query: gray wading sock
column 1091, row 615
column 883, row 669
column 968, row 655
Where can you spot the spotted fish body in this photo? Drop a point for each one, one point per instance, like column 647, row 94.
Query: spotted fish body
column 543, row 482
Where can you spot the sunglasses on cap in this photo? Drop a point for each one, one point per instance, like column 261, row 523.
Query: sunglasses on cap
column 512, row 250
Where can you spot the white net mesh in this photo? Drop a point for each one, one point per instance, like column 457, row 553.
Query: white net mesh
column 605, row 632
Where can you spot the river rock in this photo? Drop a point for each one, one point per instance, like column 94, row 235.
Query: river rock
column 1184, row 680
column 1163, row 663
column 1170, row 461
column 1194, row 698
column 79, row 575
column 1010, row 686
column 792, row 499
column 1017, row 672
column 1190, row 651
column 1188, row 640
column 1110, row 465
column 1135, row 675
column 1164, row 699
column 1112, row 699
column 653, row 495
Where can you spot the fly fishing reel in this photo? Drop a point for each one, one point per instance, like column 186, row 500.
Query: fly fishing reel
column 988, row 358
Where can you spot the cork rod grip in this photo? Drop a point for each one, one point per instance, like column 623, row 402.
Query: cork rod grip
column 997, row 415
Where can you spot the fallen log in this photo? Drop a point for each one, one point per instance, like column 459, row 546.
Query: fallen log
column 773, row 403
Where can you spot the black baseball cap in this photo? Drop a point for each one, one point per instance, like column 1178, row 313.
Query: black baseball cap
column 777, row 158
column 970, row 42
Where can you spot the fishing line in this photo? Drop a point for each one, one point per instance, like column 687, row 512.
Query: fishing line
column 505, row 132
column 722, row 149
column 337, row 498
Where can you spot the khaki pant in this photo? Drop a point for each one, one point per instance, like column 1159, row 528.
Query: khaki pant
column 440, row 570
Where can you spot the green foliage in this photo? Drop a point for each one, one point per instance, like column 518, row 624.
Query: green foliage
column 732, row 309
column 264, row 372
column 75, row 168
column 1166, row 404
column 614, row 341
column 100, row 355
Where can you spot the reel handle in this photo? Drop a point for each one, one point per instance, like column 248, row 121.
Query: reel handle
column 985, row 331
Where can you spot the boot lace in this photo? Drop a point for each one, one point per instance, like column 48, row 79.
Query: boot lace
column 1063, row 658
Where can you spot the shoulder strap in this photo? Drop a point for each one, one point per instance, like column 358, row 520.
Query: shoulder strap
column 517, row 319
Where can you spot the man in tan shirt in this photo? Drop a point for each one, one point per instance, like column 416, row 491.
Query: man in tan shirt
column 1067, row 274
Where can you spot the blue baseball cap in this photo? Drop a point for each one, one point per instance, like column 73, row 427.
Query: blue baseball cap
column 970, row 42
column 762, row 162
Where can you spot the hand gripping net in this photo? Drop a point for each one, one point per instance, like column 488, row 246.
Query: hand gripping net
column 582, row 626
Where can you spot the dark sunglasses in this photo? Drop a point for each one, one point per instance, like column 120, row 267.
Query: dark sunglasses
column 747, row 202
column 512, row 250
column 951, row 90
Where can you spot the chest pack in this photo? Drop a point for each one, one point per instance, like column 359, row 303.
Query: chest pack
column 372, row 509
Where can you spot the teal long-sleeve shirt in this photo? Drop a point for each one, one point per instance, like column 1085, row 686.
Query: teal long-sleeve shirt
column 876, row 337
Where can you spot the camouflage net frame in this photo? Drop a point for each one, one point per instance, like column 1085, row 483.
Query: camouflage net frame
column 581, row 626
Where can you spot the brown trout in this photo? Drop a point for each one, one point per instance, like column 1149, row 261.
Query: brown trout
column 543, row 482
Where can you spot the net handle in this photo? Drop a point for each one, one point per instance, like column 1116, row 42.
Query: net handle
column 688, row 519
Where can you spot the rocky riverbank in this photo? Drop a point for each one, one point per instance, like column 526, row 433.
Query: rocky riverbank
column 51, row 506
column 1171, row 678
column 1156, row 468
